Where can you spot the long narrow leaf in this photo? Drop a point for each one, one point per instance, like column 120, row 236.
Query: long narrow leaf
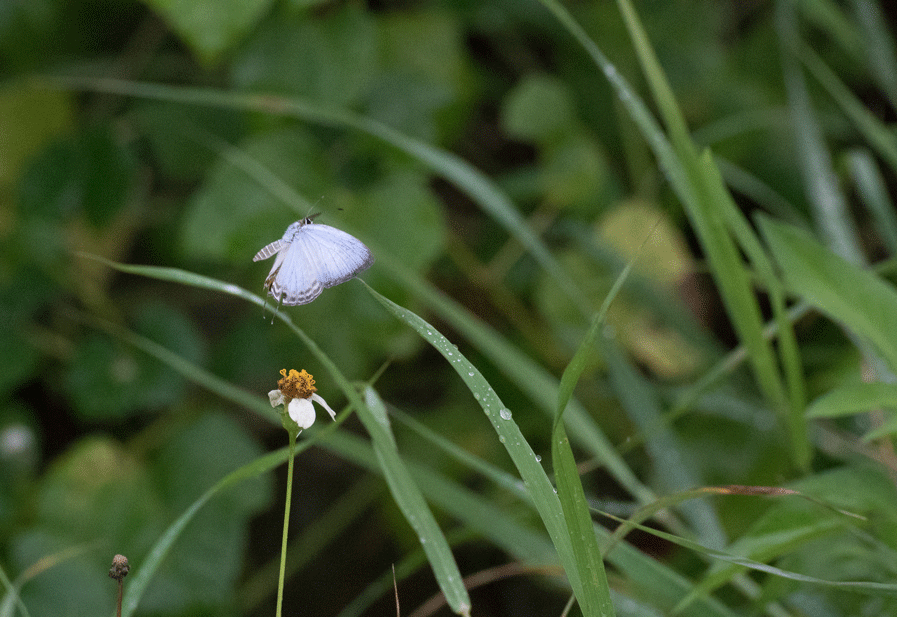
column 534, row 477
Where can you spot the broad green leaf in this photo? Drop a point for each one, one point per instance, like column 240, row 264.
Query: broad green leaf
column 328, row 57
column 854, row 398
column 539, row 109
column 856, row 298
column 211, row 27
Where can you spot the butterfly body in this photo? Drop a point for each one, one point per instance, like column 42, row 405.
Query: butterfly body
column 311, row 258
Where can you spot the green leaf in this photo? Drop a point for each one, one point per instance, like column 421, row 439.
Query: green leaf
column 539, row 109
column 211, row 27
column 89, row 175
column 329, row 57
column 241, row 206
column 856, row 298
column 854, row 398
column 40, row 115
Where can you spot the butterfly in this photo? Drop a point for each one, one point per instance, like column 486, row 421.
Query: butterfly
column 309, row 258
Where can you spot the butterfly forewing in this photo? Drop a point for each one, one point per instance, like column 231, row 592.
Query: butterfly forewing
column 337, row 255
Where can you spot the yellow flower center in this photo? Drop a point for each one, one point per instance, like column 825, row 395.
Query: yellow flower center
column 296, row 384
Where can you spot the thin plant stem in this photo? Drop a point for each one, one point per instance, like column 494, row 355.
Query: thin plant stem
column 286, row 522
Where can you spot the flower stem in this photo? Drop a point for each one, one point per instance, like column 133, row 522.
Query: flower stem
column 286, row 522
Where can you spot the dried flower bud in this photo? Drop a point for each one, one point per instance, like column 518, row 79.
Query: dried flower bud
column 119, row 568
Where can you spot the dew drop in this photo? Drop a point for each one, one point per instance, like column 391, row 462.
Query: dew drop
column 538, row 459
column 505, row 414
column 476, row 396
column 501, row 438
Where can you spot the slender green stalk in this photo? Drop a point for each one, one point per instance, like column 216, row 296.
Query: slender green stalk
column 286, row 522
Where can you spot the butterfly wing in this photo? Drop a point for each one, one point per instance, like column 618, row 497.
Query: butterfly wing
column 335, row 255
column 294, row 282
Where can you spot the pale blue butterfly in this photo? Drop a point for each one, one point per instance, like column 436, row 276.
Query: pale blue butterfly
column 309, row 258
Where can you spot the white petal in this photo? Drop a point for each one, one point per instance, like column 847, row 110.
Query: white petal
column 302, row 412
column 276, row 397
column 320, row 401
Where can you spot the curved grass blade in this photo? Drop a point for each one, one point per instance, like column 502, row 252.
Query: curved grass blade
column 874, row 194
column 529, row 376
column 647, row 578
column 144, row 573
column 853, row 398
column 534, row 477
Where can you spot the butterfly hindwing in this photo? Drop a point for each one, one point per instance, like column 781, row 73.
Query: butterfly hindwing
column 296, row 282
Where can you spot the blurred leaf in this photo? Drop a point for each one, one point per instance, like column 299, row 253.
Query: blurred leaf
column 90, row 175
column 575, row 175
column 98, row 490
column 409, row 103
column 857, row 298
column 176, row 135
column 32, row 117
column 539, row 109
column 20, row 357
column 211, row 27
column 108, row 381
column 854, row 398
column 330, row 59
column 76, row 586
column 233, row 215
column 425, row 80
column 186, row 466
column 405, row 198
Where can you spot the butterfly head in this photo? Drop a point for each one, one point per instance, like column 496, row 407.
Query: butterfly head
column 293, row 229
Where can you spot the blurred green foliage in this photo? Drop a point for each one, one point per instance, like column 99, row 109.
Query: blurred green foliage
column 102, row 446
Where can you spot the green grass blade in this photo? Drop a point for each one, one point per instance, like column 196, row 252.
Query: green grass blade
column 542, row 492
column 675, row 472
column 500, row 525
column 532, row 379
column 647, row 578
column 856, row 298
column 827, row 200
column 879, row 135
column 411, row 501
column 880, row 47
column 872, row 189
column 695, row 188
column 143, row 574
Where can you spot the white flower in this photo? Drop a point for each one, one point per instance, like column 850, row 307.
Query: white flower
column 297, row 391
